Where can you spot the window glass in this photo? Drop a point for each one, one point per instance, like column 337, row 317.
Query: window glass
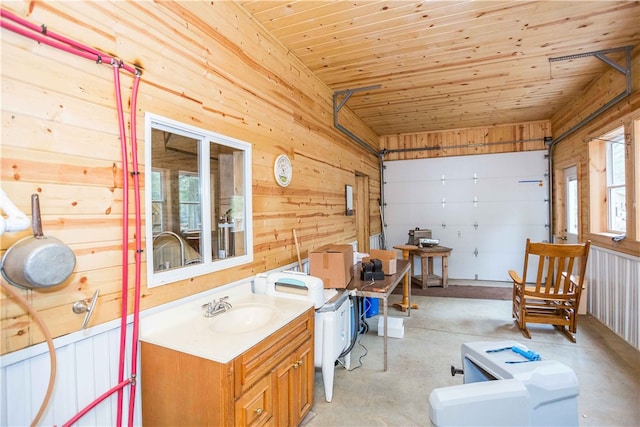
column 157, row 200
column 189, row 194
column 616, row 191
column 572, row 205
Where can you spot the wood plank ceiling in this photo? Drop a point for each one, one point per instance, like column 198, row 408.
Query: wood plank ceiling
column 451, row 64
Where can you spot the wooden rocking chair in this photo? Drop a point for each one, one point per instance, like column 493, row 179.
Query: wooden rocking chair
column 554, row 297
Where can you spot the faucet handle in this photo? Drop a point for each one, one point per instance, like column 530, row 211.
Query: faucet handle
column 216, row 306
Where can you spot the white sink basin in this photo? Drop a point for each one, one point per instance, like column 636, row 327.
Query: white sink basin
column 242, row 318
column 184, row 328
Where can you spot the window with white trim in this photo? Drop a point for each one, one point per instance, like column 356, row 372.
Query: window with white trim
column 616, row 188
column 613, row 159
column 200, row 201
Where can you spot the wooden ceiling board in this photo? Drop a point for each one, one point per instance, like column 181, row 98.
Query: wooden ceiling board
column 382, row 31
column 451, row 63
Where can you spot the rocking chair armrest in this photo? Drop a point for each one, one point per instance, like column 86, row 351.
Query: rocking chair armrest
column 516, row 279
column 572, row 278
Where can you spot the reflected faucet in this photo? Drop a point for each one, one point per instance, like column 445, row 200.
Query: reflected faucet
column 216, row 307
column 180, row 242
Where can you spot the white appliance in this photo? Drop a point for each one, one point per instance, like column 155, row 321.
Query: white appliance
column 506, row 384
column 332, row 319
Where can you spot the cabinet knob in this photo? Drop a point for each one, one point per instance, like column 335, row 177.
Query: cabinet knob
column 259, row 411
column 295, row 365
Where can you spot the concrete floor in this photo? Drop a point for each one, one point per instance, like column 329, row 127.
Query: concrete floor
column 608, row 369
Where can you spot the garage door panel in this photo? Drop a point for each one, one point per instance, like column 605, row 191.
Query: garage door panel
column 527, row 213
column 511, row 188
column 509, row 164
column 457, row 191
column 496, row 265
column 453, row 214
column 462, row 265
column 494, row 238
column 492, row 203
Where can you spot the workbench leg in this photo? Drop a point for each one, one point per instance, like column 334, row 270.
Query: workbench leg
column 445, row 271
column 425, row 271
column 406, row 303
column 386, row 329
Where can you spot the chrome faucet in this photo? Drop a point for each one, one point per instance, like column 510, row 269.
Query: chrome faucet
column 216, row 307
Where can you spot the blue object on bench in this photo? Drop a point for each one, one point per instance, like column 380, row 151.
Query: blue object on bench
column 530, row 355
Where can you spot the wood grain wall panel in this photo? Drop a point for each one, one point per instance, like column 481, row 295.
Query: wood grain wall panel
column 527, row 136
column 206, row 64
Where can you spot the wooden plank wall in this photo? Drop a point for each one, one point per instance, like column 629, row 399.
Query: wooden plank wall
column 574, row 149
column 503, row 138
column 204, row 63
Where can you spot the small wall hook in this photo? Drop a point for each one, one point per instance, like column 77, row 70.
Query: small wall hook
column 81, row 306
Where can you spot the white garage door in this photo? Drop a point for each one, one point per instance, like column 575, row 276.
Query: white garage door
column 483, row 207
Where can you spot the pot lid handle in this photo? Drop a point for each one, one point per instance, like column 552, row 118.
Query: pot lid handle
column 36, row 221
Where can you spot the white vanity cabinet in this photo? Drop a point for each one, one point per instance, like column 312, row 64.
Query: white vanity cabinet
column 271, row 383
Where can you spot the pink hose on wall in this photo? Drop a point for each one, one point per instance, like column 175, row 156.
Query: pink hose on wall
column 42, row 35
column 138, row 232
column 125, row 233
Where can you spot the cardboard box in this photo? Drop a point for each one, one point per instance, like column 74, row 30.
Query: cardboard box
column 388, row 259
column 333, row 264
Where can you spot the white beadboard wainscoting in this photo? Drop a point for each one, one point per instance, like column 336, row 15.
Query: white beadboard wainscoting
column 614, row 292
column 87, row 367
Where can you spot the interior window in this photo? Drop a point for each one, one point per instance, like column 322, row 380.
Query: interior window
column 200, row 201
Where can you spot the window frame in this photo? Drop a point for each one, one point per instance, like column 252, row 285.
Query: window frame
column 205, row 139
column 598, row 227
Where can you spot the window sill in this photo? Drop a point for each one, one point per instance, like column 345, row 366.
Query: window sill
column 603, row 240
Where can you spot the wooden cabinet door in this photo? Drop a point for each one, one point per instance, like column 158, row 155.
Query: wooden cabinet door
column 304, row 377
column 294, row 385
column 255, row 407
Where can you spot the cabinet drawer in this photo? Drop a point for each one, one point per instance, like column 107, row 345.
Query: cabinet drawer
column 262, row 358
column 255, row 407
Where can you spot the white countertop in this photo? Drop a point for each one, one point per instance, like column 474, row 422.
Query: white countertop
column 184, row 327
